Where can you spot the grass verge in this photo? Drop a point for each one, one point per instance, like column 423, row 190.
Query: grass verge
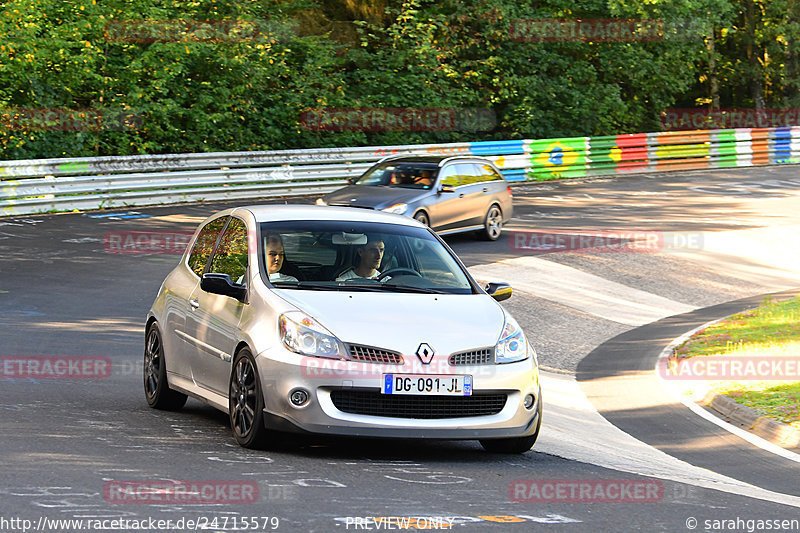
column 770, row 332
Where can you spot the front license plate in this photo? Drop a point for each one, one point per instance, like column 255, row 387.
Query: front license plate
column 427, row 385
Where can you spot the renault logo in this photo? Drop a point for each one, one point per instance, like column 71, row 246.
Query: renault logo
column 425, row 353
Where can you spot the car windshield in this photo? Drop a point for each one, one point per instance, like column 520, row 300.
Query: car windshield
column 403, row 174
column 358, row 256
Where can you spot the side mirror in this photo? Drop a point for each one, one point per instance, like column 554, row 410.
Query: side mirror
column 499, row 291
column 351, row 180
column 222, row 284
column 446, row 188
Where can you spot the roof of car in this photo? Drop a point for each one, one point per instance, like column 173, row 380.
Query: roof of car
column 280, row 212
column 435, row 159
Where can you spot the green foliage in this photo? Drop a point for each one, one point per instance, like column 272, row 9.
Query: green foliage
column 142, row 76
column 770, row 324
column 180, row 90
column 447, row 53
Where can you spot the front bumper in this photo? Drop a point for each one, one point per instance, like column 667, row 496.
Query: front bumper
column 280, row 376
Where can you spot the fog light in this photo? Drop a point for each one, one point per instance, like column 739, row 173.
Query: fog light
column 528, row 401
column 298, row 397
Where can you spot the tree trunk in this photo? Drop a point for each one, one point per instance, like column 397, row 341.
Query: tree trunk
column 712, row 72
column 790, row 84
column 756, row 82
column 791, row 75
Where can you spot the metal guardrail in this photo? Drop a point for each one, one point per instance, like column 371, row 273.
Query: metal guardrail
column 49, row 185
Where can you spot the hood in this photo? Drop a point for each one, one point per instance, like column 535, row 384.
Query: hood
column 373, row 197
column 401, row 322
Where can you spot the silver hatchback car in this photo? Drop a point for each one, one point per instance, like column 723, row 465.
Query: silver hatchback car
column 339, row 321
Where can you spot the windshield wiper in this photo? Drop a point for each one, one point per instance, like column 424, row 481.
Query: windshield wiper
column 365, row 287
column 390, row 287
column 304, row 285
column 327, row 286
column 408, row 288
column 368, row 287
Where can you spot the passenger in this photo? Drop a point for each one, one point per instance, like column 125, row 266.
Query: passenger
column 370, row 256
column 273, row 249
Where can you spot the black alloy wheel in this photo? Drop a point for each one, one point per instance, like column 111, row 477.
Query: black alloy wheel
column 156, row 387
column 246, row 402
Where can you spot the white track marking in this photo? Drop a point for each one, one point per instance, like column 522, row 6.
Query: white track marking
column 573, row 429
column 766, row 257
column 580, row 290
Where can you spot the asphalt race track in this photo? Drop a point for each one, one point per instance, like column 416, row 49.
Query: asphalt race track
column 599, row 317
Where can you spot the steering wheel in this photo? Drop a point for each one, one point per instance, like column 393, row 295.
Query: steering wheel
column 394, row 271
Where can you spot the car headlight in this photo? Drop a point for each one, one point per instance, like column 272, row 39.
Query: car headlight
column 301, row 334
column 397, row 209
column 321, row 201
column 512, row 346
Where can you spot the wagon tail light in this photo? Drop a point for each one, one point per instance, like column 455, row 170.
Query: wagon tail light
column 508, row 188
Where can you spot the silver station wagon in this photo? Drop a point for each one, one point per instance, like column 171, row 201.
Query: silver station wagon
column 451, row 194
column 339, row 321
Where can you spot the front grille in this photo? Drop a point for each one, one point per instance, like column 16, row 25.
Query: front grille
column 483, row 356
column 368, row 354
column 371, row 403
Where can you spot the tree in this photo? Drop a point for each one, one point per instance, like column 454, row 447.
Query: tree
column 158, row 76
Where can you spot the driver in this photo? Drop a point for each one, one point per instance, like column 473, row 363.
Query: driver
column 399, row 178
column 424, row 179
column 370, row 256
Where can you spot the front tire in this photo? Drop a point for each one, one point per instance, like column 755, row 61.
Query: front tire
column 422, row 218
column 515, row 444
column 492, row 223
column 246, row 402
column 156, row 387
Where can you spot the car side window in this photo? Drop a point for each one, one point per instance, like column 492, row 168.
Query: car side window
column 448, row 176
column 204, row 245
column 487, row 173
column 459, row 174
column 231, row 255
